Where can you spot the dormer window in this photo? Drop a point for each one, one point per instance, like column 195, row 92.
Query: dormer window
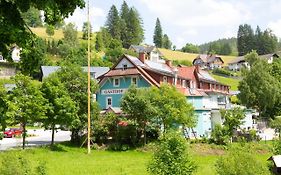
column 116, row 82
column 125, row 66
column 165, row 79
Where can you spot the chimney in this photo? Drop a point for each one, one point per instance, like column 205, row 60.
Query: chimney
column 197, row 68
column 142, row 56
column 169, row 63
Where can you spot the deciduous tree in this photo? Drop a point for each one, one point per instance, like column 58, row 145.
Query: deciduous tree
column 167, row 44
column 85, row 27
column 3, row 107
column 26, row 104
column 61, row 108
column 137, row 105
column 172, row 107
column 171, row 157
column 75, row 81
column 11, row 19
column 260, row 90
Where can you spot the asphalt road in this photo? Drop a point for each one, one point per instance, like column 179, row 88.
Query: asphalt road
column 41, row 137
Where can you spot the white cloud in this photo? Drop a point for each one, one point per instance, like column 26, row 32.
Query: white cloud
column 80, row 16
column 275, row 26
column 190, row 17
column 199, row 13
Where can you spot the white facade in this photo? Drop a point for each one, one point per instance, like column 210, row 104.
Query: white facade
column 238, row 66
column 16, row 54
column 154, row 55
column 124, row 63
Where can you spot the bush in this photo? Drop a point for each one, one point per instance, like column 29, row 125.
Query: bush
column 220, row 135
column 171, row 156
column 277, row 147
column 240, row 161
column 14, row 163
column 222, row 72
column 118, row 147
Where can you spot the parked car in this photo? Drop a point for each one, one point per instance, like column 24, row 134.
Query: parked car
column 12, row 132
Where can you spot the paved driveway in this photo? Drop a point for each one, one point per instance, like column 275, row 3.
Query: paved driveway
column 42, row 137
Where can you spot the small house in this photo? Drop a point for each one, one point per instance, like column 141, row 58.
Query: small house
column 208, row 61
column 151, row 52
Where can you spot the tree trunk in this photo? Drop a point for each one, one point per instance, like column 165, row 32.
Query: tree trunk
column 75, row 138
column 23, row 137
column 144, row 134
column 53, row 134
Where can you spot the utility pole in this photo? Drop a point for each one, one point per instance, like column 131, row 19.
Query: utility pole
column 89, row 83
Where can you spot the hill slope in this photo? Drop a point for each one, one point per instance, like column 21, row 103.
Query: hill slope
column 41, row 32
column 177, row 55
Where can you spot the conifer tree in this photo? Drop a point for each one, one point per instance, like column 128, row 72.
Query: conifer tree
column 157, row 37
column 245, row 39
column 131, row 26
column 134, row 28
column 113, row 23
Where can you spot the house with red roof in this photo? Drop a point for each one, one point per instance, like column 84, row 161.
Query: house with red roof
column 206, row 94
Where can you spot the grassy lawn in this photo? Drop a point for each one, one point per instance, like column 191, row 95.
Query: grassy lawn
column 177, row 55
column 71, row 160
column 233, row 83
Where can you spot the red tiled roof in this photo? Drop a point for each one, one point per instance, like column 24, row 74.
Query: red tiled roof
column 186, row 72
column 122, row 72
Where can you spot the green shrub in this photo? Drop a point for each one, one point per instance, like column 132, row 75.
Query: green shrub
column 171, row 156
column 220, row 135
column 118, row 147
column 1, row 135
column 15, row 163
column 240, row 161
column 222, row 72
column 277, row 147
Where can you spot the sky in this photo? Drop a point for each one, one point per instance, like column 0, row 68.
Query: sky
column 190, row 21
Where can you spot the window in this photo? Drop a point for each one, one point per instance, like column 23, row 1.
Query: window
column 108, row 102
column 165, row 79
column 125, row 66
column 116, row 82
column 134, row 80
column 183, row 83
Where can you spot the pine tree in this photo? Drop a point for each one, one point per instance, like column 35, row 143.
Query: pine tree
column 167, row 44
column 258, row 40
column 157, row 37
column 131, row 26
column 124, row 12
column 124, row 15
column 85, row 31
column 245, row 39
column 269, row 41
column 135, row 32
column 113, row 23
